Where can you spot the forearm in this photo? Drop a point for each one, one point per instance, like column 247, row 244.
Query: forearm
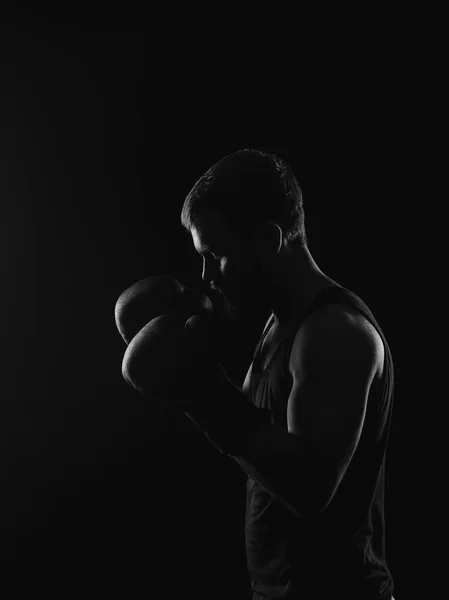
column 273, row 457
column 226, row 417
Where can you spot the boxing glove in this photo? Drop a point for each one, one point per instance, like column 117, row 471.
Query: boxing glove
column 170, row 360
column 173, row 359
column 154, row 296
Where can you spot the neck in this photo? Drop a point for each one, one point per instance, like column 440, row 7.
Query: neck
column 299, row 280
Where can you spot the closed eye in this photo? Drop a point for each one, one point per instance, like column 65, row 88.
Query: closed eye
column 204, row 252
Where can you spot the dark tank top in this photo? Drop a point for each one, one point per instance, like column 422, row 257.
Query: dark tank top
column 341, row 552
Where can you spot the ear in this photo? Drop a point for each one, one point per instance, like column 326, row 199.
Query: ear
column 270, row 236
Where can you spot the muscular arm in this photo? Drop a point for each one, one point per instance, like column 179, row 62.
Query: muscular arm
column 333, row 367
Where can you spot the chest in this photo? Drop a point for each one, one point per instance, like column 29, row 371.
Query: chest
column 277, row 341
column 269, row 346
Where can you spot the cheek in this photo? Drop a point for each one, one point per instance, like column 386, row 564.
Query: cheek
column 241, row 277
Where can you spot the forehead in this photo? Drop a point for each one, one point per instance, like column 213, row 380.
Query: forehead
column 211, row 232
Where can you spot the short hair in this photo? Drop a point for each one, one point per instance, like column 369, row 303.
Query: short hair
column 249, row 187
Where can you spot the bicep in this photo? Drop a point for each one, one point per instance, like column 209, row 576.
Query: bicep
column 333, row 368
column 327, row 404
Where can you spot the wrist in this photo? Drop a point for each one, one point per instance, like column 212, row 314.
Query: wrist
column 227, row 417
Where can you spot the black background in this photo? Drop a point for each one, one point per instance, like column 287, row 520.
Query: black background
column 108, row 116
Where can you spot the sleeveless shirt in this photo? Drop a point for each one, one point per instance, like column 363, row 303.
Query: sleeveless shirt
column 341, row 552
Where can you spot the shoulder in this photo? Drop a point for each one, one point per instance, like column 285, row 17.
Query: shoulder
column 335, row 331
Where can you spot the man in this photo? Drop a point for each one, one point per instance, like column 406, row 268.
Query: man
column 322, row 372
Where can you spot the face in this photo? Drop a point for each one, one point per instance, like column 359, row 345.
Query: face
column 232, row 266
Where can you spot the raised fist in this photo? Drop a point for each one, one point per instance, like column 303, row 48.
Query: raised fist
column 171, row 355
column 155, row 296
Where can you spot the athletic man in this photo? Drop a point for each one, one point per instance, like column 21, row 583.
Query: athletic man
column 318, row 395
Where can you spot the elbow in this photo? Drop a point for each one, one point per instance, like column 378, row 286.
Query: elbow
column 305, row 506
column 316, row 502
column 320, row 502
column 312, row 509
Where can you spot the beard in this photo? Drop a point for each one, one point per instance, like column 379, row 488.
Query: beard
column 245, row 297
column 242, row 293
column 232, row 309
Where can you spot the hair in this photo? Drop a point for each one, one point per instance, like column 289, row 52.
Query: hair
column 249, row 187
